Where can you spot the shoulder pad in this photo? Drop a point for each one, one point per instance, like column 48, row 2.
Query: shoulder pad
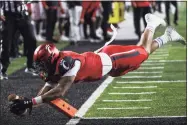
column 66, row 64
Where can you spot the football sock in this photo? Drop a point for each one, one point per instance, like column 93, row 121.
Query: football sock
column 37, row 100
column 162, row 40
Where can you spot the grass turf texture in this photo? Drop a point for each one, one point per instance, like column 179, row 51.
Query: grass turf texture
column 168, row 99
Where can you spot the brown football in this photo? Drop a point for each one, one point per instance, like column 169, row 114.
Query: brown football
column 12, row 97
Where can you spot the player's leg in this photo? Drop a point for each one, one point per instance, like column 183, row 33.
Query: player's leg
column 170, row 35
column 147, row 37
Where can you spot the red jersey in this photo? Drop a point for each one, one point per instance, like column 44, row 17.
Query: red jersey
column 90, row 70
column 122, row 59
column 145, row 3
column 88, row 7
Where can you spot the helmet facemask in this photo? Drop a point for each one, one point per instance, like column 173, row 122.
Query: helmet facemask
column 45, row 58
column 43, row 68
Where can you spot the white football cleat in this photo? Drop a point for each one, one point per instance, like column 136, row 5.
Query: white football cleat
column 173, row 35
column 64, row 38
column 155, row 20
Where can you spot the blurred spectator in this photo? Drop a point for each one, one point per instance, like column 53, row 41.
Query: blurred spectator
column 158, row 5
column 51, row 13
column 75, row 9
column 63, row 22
column 140, row 8
column 127, row 5
column 16, row 18
column 1, row 29
column 37, row 15
column 88, row 17
column 167, row 10
column 107, row 9
column 14, row 52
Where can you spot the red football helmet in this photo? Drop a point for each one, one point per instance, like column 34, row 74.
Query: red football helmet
column 44, row 56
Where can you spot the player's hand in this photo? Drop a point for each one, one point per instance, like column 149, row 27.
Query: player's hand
column 93, row 19
column 2, row 18
column 46, row 7
column 21, row 106
column 62, row 11
column 81, row 21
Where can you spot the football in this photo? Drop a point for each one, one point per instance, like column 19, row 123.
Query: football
column 12, row 97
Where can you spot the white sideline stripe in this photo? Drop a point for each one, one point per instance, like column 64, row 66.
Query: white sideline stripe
column 151, row 68
column 148, row 77
column 166, row 61
column 123, row 108
column 152, row 64
column 134, row 87
column 133, row 117
column 141, row 100
column 177, row 81
column 137, row 72
column 90, row 101
column 140, row 93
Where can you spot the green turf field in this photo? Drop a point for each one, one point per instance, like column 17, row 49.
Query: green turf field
column 157, row 88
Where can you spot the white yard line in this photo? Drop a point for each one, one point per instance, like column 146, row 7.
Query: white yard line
column 152, row 67
column 134, row 117
column 140, row 100
column 90, row 101
column 159, row 55
column 140, row 93
column 137, row 72
column 137, row 77
column 158, row 81
column 157, row 61
column 159, row 58
column 152, row 64
column 134, row 87
column 120, row 108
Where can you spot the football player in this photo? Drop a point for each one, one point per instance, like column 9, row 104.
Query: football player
column 60, row 69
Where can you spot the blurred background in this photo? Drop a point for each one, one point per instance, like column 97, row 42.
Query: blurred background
column 73, row 22
column 85, row 26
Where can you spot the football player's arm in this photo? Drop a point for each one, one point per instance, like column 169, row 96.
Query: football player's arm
column 45, row 88
column 64, row 84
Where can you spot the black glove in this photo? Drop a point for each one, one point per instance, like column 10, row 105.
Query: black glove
column 19, row 106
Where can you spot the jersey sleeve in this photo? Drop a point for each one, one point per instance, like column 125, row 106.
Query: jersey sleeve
column 66, row 64
column 74, row 70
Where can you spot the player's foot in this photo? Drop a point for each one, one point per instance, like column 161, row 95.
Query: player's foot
column 3, row 76
column 31, row 71
column 154, row 20
column 173, row 35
